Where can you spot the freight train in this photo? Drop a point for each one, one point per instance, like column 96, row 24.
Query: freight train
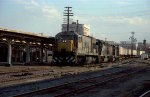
column 73, row 48
column 76, row 48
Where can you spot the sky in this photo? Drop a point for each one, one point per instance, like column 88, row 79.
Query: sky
column 113, row 20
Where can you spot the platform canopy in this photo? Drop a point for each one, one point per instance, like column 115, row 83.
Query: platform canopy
column 24, row 37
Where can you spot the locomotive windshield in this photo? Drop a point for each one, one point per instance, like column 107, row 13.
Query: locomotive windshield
column 66, row 36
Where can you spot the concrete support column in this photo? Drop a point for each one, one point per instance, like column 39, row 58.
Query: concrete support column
column 21, row 55
column 41, row 52
column 31, row 54
column 27, row 53
column 9, row 56
column 46, row 55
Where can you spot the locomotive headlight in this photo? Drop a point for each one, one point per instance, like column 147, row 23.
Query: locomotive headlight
column 39, row 43
column 50, row 44
column 4, row 39
column 64, row 41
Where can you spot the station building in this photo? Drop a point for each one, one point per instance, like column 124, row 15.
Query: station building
column 17, row 47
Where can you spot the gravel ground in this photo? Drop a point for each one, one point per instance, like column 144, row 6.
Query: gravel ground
column 21, row 74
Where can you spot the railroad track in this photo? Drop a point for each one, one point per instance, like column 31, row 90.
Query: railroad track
column 145, row 94
column 81, row 86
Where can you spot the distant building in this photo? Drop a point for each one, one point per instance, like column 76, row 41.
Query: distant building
column 112, row 42
column 81, row 29
column 127, row 44
column 140, row 46
column 143, row 47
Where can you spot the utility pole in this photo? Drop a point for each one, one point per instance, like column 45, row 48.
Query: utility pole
column 144, row 43
column 68, row 13
column 133, row 40
column 77, row 26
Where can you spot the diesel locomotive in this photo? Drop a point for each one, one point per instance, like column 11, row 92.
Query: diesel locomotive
column 73, row 48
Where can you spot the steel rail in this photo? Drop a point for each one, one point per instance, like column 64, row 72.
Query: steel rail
column 84, row 89
column 145, row 94
column 123, row 73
